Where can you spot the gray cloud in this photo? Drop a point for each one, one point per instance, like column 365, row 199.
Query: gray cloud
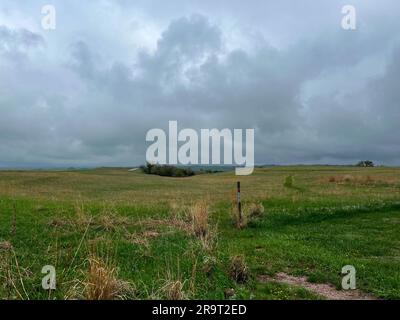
column 312, row 94
column 17, row 40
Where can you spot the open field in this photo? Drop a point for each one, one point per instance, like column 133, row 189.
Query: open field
column 140, row 236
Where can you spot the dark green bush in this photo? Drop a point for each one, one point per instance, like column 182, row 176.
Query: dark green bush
column 289, row 182
column 366, row 163
column 167, row 171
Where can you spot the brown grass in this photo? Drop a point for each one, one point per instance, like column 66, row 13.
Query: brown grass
column 250, row 212
column 362, row 180
column 108, row 219
column 173, row 290
column 255, row 210
column 172, row 286
column 152, row 224
column 178, row 210
column 239, row 223
column 8, row 275
column 142, row 238
column 6, row 246
column 13, row 230
column 199, row 213
column 112, row 221
column 102, row 283
column 229, row 293
column 238, row 269
column 209, row 265
column 12, row 275
column 332, row 179
column 210, row 240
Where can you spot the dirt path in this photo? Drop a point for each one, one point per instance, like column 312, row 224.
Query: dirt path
column 327, row 291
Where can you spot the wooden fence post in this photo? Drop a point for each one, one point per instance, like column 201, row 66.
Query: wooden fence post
column 239, row 203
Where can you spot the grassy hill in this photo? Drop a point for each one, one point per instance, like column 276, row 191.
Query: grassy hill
column 139, row 234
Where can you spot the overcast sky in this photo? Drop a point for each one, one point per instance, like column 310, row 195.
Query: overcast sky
column 86, row 93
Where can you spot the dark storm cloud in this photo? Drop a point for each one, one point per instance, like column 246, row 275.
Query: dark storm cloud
column 89, row 97
column 363, row 123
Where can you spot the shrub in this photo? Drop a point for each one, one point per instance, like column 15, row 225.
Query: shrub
column 167, row 171
column 366, row 163
column 289, row 182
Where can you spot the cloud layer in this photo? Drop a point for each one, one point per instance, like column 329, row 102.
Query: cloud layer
column 86, row 93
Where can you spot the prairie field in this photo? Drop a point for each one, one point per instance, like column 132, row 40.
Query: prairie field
column 120, row 234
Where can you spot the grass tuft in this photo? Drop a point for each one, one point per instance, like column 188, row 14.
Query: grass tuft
column 238, row 269
column 255, row 210
column 102, row 283
column 289, row 182
column 199, row 213
column 173, row 290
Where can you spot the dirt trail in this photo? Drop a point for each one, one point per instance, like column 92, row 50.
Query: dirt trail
column 327, row 291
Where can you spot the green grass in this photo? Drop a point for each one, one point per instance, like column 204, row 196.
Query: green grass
column 311, row 228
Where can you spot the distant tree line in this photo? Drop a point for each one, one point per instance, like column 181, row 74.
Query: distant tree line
column 167, row 170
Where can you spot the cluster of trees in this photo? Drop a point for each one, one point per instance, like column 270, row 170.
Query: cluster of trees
column 366, row 163
column 167, row 171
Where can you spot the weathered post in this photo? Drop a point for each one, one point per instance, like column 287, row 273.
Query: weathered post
column 239, row 204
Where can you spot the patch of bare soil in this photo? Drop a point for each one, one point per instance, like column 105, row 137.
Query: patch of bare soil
column 325, row 290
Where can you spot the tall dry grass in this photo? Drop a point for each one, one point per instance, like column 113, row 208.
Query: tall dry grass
column 254, row 210
column 173, row 290
column 100, row 282
column 199, row 214
column 12, row 275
